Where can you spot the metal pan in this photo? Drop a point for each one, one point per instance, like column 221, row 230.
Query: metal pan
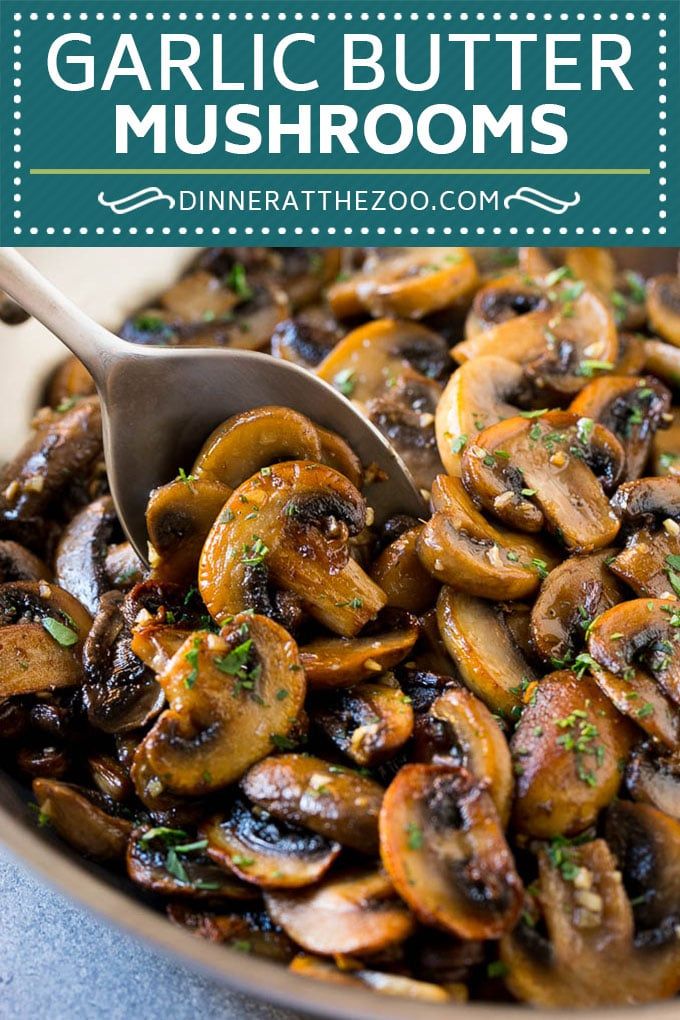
column 28, row 353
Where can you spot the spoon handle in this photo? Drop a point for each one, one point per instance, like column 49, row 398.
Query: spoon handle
column 95, row 346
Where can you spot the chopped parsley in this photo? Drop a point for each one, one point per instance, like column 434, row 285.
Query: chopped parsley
column 254, row 554
column 63, row 635
column 345, row 382
column 237, row 280
column 414, row 836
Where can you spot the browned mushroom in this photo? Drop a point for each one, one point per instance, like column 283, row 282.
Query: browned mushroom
column 62, row 448
column 571, row 596
column 589, row 958
column 244, row 933
column 666, row 450
column 663, row 360
column 42, row 630
column 650, row 511
column 566, row 751
column 81, row 820
column 408, row 284
column 369, row 722
column 560, row 347
column 174, row 862
column 549, row 472
column 357, row 913
column 81, row 560
column 631, row 408
column 635, row 658
column 459, row 729
column 399, row 572
column 663, row 307
column 120, row 692
column 69, row 381
column 255, row 439
column 225, row 711
column 478, row 636
column 481, row 392
column 653, row 777
column 384, row 983
column 290, row 523
column 306, row 339
column 341, row 662
column 503, row 298
column 179, row 516
column 443, row 846
column 334, row 801
column 646, row 844
column 266, row 851
column 459, row 547
column 19, row 564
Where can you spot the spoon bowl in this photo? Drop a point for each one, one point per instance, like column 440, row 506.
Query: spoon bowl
column 159, row 404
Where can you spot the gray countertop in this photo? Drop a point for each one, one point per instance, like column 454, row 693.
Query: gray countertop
column 57, row 960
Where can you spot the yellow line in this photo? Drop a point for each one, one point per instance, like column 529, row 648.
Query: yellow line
column 371, row 171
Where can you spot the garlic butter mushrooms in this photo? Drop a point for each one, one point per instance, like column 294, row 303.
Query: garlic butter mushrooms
column 434, row 757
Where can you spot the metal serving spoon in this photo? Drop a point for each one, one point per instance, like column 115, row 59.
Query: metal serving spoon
column 160, row 403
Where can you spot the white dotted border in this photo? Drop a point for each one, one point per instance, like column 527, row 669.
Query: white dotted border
column 282, row 16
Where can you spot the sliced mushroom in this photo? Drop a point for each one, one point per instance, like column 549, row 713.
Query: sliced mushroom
column 408, row 284
column 69, row 381
column 368, row 723
column 342, row 662
column 646, row 844
column 459, row 729
column 566, row 750
column 120, row 692
column 200, row 295
column 548, row 472
column 110, row 777
column 666, row 450
column 255, row 439
column 225, row 711
column 179, row 517
column 334, row 801
column 306, row 339
column 291, row 523
column 653, row 777
column 62, row 448
column 305, row 272
column 590, row 958
column 663, row 307
column 265, row 851
column 19, row 564
column 506, row 297
column 632, row 359
column 635, row 658
column 399, row 572
column 354, row 914
column 631, row 408
column 560, row 347
column 443, row 846
column 42, row 629
column 245, row 933
column 650, row 511
column 481, row 392
column 478, row 638
column 371, row 359
column 571, row 596
column 80, row 565
column 459, row 547
column 175, row 863
column 596, row 266
column 81, row 821
column 663, row 360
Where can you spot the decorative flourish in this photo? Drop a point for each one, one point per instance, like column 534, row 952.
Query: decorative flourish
column 548, row 203
column 138, row 199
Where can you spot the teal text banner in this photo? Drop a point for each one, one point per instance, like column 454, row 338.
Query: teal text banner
column 432, row 122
